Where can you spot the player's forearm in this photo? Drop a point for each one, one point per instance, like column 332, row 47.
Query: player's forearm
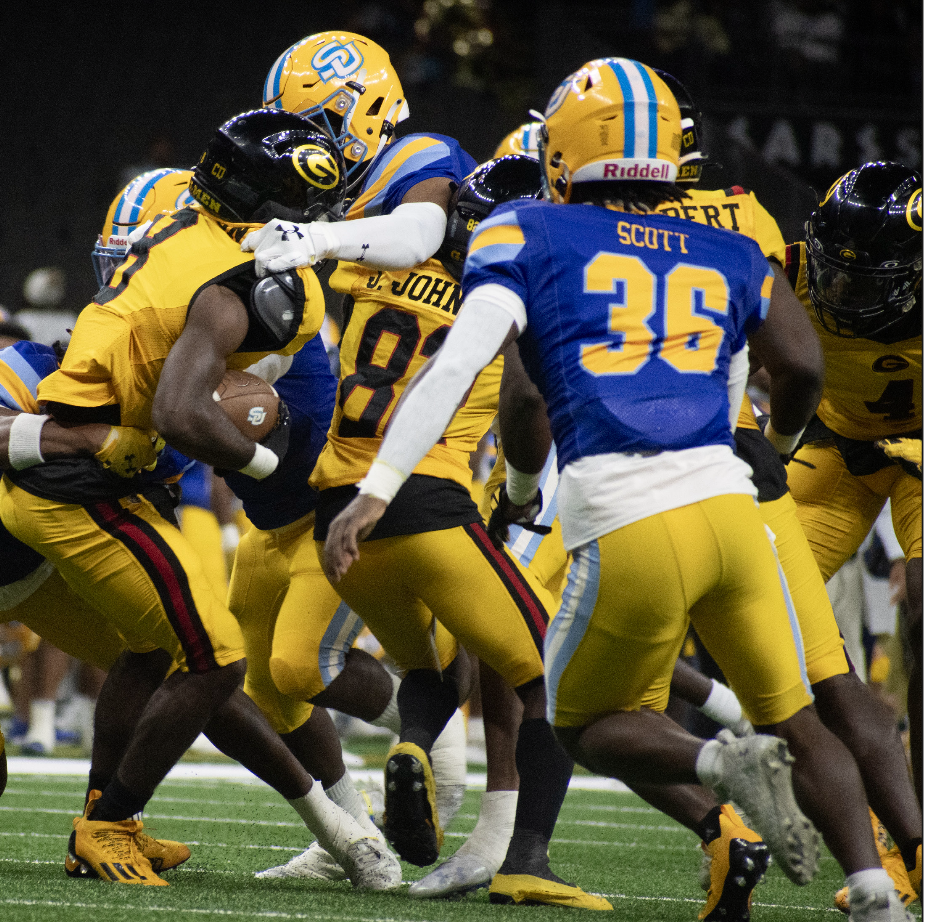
column 54, row 441
column 408, row 236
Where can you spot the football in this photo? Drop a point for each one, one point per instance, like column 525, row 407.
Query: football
column 249, row 402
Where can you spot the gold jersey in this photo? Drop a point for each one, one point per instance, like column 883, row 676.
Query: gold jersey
column 122, row 338
column 732, row 209
column 871, row 389
column 398, row 320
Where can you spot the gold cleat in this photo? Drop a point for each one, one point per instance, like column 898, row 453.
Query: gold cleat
column 528, row 890
column 411, row 823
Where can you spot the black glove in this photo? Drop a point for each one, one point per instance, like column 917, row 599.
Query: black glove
column 505, row 514
column 279, row 437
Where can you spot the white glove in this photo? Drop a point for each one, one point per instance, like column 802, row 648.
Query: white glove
column 281, row 245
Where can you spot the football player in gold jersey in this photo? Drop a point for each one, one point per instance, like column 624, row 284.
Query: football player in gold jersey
column 148, row 352
column 858, row 272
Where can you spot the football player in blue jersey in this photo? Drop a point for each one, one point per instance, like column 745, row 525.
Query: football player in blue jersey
column 634, row 327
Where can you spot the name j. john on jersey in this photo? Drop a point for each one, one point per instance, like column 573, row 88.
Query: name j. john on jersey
column 424, row 288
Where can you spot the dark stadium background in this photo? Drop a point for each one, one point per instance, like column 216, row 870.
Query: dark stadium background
column 97, row 92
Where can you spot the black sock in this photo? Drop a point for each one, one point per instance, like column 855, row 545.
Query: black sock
column 117, row 803
column 545, row 770
column 909, row 852
column 709, row 827
column 426, row 700
column 96, row 781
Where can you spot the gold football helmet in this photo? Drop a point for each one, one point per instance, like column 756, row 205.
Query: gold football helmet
column 613, row 119
column 346, row 83
column 524, row 141
column 143, row 199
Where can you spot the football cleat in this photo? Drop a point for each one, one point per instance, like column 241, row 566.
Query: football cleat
column 314, row 863
column 108, row 851
column 878, row 907
column 459, row 875
column 528, row 890
column 738, row 861
column 411, row 822
column 373, row 865
column 162, row 854
column 757, row 777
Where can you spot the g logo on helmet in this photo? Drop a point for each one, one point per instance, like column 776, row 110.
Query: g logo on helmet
column 316, row 165
column 915, row 210
column 337, row 60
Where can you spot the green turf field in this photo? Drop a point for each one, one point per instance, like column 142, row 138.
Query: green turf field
column 610, row 843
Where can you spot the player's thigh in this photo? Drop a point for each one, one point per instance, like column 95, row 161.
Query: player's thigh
column 202, row 530
column 315, row 628
column 67, row 622
column 494, row 607
column 907, row 496
column 137, row 569
column 824, row 650
column 379, row 588
column 747, row 621
column 835, row 509
column 624, row 616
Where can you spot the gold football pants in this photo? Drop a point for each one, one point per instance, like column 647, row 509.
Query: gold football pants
column 632, row 593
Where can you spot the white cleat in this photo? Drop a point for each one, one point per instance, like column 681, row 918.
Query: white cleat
column 315, row 863
column 878, row 907
column 374, row 866
column 756, row 777
column 450, row 768
column 459, row 875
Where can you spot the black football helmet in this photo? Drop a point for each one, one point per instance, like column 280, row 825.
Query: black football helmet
column 691, row 160
column 864, row 246
column 269, row 164
column 494, row 182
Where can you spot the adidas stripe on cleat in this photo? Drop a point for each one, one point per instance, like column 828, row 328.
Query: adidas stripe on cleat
column 107, row 851
column 411, row 823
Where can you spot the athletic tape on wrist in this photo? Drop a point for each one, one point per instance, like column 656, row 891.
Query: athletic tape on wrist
column 382, row 481
column 521, row 487
column 263, row 463
column 784, row 444
column 25, row 448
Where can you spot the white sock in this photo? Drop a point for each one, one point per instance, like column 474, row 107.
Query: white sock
column 722, row 705
column 871, row 880
column 490, row 838
column 708, row 767
column 42, row 723
column 344, row 794
column 335, row 829
column 390, row 716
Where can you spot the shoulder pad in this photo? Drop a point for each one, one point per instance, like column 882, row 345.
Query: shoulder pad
column 793, row 263
column 276, row 310
column 735, row 190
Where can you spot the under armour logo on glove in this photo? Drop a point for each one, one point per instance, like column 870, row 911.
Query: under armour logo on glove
column 294, row 229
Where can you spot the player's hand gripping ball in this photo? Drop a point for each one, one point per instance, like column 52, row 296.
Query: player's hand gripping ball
column 252, row 405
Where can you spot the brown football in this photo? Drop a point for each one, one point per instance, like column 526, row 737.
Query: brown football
column 249, row 402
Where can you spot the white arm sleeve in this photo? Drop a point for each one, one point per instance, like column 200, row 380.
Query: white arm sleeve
column 475, row 339
column 736, row 386
column 408, row 236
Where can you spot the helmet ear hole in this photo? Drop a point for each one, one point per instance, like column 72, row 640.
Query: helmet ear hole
column 375, row 107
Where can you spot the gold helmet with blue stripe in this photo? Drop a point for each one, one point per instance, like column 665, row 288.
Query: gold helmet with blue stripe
column 523, row 142
column 613, row 120
column 143, row 199
column 346, row 83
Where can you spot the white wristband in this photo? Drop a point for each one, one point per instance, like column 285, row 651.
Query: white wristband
column 229, row 537
column 784, row 444
column 382, row 481
column 521, row 488
column 25, row 449
column 263, row 463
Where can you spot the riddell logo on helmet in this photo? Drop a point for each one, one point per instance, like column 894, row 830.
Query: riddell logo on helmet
column 637, row 171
